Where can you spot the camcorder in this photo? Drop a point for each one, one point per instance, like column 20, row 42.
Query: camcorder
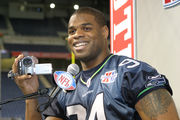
column 29, row 65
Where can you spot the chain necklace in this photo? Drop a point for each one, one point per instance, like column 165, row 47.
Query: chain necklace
column 89, row 80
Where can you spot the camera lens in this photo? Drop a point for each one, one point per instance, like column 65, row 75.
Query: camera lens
column 27, row 62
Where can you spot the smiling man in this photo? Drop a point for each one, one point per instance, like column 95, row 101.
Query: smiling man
column 87, row 38
column 109, row 87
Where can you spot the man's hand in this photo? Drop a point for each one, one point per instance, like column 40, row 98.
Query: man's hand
column 27, row 83
column 157, row 105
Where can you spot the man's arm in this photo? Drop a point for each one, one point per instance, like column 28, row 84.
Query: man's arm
column 33, row 114
column 29, row 84
column 31, row 110
column 157, row 105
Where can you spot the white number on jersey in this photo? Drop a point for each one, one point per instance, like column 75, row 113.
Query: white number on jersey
column 97, row 109
column 134, row 63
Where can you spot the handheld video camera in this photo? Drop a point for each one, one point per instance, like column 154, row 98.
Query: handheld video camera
column 29, row 65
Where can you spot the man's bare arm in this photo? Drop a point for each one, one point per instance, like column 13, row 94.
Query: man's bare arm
column 157, row 105
column 29, row 84
column 31, row 110
column 33, row 114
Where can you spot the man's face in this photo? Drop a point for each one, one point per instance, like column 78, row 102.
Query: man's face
column 85, row 37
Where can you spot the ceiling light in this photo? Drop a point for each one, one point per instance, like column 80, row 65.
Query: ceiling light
column 52, row 5
column 76, row 7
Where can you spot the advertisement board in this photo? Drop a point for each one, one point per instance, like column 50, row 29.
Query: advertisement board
column 122, row 27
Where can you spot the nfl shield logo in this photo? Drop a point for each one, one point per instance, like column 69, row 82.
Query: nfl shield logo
column 64, row 80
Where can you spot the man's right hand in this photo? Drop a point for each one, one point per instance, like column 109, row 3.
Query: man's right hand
column 27, row 83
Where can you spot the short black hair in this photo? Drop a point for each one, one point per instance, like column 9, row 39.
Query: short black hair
column 99, row 16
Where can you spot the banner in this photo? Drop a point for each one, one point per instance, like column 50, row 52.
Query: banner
column 122, row 25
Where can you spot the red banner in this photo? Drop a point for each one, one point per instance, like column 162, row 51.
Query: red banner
column 122, row 27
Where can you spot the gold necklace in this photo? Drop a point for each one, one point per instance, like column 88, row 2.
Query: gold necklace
column 89, row 80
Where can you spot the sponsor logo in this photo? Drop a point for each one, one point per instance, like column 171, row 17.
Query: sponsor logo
column 109, row 77
column 170, row 3
column 155, row 81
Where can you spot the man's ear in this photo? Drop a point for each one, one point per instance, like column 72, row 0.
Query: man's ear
column 105, row 31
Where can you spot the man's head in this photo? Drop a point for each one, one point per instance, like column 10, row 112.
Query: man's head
column 99, row 16
column 87, row 34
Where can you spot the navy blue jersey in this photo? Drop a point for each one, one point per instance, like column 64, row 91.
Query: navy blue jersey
column 111, row 94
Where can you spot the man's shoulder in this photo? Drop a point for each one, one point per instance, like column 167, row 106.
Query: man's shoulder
column 128, row 64
column 124, row 61
column 120, row 58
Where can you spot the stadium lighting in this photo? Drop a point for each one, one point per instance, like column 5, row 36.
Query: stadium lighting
column 52, row 5
column 76, row 7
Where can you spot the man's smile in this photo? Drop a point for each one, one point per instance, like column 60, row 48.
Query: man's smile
column 79, row 45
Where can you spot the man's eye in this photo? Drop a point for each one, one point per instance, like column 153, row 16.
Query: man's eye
column 71, row 32
column 87, row 28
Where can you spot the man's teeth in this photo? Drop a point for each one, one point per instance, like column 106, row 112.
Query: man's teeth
column 80, row 44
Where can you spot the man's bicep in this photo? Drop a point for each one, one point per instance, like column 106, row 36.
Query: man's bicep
column 53, row 118
column 157, row 105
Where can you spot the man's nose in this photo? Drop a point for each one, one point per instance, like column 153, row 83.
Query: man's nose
column 79, row 33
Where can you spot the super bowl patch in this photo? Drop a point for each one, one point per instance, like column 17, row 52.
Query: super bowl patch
column 157, row 80
column 109, row 77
